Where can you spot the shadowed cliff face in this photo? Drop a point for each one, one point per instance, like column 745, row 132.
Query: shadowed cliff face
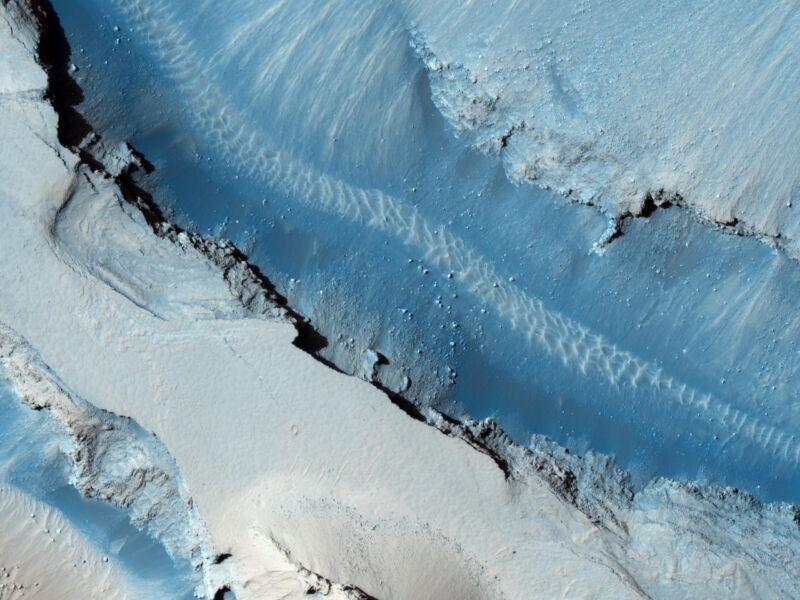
column 63, row 92
column 484, row 296
column 182, row 335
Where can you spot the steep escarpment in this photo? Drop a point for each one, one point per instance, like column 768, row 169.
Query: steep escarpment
column 296, row 469
column 114, row 460
column 610, row 105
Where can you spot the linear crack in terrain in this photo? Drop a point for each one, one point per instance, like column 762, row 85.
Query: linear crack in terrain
column 574, row 344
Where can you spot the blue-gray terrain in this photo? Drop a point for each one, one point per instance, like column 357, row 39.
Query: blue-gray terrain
column 558, row 240
column 308, row 133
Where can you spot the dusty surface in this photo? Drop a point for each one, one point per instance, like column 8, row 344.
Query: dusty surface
column 279, row 451
column 42, row 556
column 611, row 103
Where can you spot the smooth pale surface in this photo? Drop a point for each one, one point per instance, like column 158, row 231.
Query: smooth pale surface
column 274, row 445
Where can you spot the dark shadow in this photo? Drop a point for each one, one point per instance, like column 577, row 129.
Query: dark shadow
column 63, row 92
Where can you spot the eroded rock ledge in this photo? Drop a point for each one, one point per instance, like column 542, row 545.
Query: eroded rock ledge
column 566, row 114
column 274, row 445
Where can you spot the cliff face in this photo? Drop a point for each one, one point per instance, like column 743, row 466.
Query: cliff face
column 177, row 376
column 612, row 105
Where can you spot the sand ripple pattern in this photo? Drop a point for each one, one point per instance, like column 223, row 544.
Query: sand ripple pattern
column 241, row 141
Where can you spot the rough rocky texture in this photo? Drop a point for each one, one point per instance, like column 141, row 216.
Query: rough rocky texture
column 278, row 450
column 114, row 460
column 610, row 104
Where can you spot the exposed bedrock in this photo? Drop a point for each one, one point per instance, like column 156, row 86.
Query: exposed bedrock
column 613, row 111
column 303, row 475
